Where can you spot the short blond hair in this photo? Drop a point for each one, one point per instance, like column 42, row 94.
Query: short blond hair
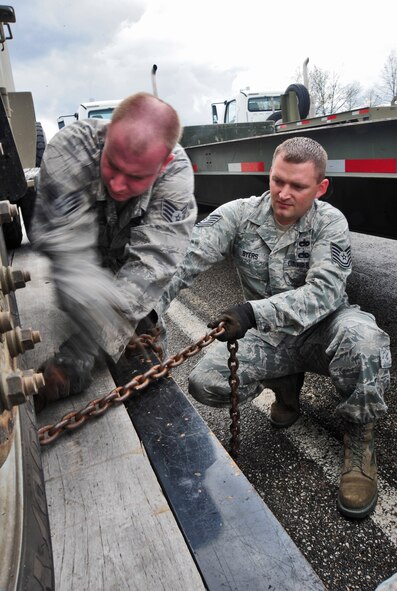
column 303, row 149
column 161, row 121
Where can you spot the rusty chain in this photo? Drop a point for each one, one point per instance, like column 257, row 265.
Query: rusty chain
column 234, row 398
column 98, row 406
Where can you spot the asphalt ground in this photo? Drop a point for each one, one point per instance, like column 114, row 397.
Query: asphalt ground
column 296, row 471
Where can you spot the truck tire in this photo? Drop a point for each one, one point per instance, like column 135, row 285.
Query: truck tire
column 41, row 143
column 13, row 232
column 303, row 98
column 36, row 571
column 26, row 562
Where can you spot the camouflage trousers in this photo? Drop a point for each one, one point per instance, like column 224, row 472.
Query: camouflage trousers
column 348, row 346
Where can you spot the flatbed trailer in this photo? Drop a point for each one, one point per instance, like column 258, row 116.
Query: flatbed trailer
column 231, row 161
column 146, row 497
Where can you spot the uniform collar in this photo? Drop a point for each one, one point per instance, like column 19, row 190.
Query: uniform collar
column 265, row 214
column 267, row 229
column 133, row 208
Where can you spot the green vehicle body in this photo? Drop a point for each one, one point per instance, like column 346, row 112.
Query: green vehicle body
column 233, row 160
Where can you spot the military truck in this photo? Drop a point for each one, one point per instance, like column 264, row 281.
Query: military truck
column 27, row 135
column 233, row 160
column 25, row 543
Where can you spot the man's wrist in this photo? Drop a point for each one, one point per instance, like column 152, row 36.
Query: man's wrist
column 247, row 313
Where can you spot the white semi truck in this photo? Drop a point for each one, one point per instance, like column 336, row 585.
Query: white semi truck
column 89, row 110
column 247, row 106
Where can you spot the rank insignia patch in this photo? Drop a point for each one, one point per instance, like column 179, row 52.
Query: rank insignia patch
column 341, row 257
column 209, row 221
column 171, row 213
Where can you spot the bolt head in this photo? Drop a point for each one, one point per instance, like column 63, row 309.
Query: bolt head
column 16, row 394
column 27, row 339
column 19, row 278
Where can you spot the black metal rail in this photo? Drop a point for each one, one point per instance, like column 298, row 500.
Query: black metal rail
column 236, row 541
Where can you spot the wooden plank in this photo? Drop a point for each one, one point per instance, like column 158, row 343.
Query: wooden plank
column 111, row 526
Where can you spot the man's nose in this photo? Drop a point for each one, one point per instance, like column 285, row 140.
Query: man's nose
column 285, row 192
column 118, row 183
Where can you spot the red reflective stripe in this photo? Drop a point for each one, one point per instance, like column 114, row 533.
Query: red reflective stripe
column 371, row 165
column 306, row 121
column 195, row 168
column 252, row 167
column 331, row 117
column 363, row 111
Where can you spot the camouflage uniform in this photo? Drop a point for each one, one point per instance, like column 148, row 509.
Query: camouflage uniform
column 110, row 261
column 296, row 285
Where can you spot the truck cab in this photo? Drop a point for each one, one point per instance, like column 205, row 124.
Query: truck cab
column 248, row 107
column 89, row 110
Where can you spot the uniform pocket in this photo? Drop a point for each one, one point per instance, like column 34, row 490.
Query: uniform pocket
column 251, row 255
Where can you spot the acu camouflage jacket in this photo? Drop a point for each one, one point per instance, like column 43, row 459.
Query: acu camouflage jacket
column 292, row 282
column 110, row 261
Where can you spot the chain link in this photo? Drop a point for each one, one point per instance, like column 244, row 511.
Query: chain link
column 98, row 406
column 234, row 399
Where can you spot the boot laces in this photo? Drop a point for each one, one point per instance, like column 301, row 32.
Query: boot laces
column 357, row 447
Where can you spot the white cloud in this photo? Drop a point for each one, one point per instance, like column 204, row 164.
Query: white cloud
column 68, row 52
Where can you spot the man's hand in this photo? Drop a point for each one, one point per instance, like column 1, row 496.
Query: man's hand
column 147, row 324
column 63, row 376
column 237, row 321
column 57, row 385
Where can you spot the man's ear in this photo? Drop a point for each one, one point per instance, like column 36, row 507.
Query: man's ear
column 166, row 162
column 322, row 188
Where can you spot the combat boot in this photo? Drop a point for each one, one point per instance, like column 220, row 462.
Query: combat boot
column 285, row 410
column 358, row 490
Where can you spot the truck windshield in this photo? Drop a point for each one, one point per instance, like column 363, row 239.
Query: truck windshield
column 264, row 103
column 101, row 113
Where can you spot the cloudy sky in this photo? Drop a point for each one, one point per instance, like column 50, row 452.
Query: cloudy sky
column 67, row 52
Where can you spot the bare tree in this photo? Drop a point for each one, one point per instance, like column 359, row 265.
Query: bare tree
column 353, row 95
column 389, row 77
column 373, row 97
column 329, row 95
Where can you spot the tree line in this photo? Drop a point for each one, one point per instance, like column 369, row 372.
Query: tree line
column 329, row 95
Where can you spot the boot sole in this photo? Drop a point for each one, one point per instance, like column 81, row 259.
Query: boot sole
column 285, row 424
column 357, row 513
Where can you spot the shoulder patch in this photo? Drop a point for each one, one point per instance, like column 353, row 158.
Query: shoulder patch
column 209, row 221
column 171, row 213
column 341, row 257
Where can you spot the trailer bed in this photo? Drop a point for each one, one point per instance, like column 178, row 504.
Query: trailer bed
column 147, row 498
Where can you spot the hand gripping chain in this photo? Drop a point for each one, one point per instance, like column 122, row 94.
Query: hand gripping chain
column 98, row 406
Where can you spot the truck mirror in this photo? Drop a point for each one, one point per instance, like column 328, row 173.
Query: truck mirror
column 214, row 114
column 7, row 14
